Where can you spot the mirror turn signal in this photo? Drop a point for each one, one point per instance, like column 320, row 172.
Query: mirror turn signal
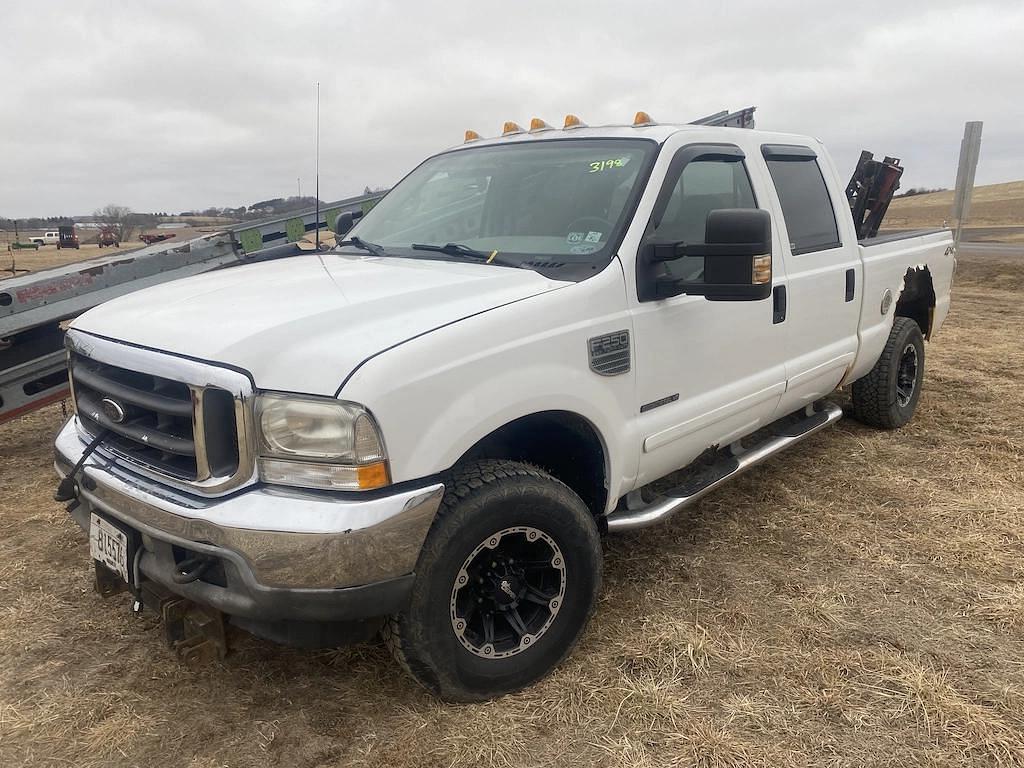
column 762, row 269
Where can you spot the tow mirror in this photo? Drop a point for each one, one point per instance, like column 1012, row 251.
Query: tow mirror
column 346, row 221
column 737, row 253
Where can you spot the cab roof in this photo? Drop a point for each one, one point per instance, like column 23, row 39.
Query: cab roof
column 658, row 132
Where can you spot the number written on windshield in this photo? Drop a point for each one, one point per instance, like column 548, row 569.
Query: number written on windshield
column 604, row 165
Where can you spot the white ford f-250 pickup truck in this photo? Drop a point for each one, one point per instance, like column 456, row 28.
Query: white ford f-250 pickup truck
column 531, row 341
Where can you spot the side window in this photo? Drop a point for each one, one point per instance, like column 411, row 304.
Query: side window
column 806, row 206
column 704, row 185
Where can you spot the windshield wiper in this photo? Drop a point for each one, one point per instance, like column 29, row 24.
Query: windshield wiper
column 458, row 249
column 356, row 242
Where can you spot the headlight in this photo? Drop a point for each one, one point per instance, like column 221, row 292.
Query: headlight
column 319, row 443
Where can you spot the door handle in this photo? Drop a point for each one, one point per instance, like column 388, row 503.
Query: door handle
column 779, row 304
column 851, row 284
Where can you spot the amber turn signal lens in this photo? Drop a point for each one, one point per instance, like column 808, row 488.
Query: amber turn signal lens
column 373, row 475
column 762, row 269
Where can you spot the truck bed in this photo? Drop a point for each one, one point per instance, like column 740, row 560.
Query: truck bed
column 926, row 254
column 898, row 234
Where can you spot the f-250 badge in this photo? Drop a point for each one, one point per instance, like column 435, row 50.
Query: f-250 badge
column 609, row 354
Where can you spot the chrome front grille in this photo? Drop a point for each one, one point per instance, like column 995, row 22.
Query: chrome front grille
column 150, row 419
column 190, row 435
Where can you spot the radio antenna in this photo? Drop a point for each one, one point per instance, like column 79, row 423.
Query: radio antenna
column 318, row 165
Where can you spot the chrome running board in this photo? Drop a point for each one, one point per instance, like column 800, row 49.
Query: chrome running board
column 722, row 471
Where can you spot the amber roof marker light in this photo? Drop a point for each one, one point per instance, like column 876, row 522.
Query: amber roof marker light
column 571, row 121
column 472, row 136
column 642, row 120
column 537, row 125
column 511, row 128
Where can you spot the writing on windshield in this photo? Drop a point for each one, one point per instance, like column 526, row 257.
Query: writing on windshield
column 567, row 198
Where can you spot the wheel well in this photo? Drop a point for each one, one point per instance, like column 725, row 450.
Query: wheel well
column 562, row 443
column 917, row 300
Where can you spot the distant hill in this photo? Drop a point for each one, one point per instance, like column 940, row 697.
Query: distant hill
column 993, row 205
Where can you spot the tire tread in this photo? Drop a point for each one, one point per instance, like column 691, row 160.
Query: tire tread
column 873, row 403
column 460, row 483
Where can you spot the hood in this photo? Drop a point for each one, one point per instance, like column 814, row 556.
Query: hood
column 303, row 324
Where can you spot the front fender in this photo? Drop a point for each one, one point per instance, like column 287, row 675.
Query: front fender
column 477, row 412
column 437, row 395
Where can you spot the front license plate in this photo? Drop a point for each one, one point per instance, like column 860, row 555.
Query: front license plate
column 109, row 546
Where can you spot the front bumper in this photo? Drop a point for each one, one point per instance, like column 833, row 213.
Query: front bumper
column 285, row 554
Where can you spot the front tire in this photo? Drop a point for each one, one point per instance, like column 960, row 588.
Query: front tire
column 505, row 584
column 887, row 396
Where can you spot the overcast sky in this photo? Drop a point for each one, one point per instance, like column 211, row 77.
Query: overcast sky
column 170, row 106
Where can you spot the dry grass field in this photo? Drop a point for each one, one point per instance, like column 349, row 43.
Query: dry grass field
column 993, row 205
column 858, row 601
column 50, row 256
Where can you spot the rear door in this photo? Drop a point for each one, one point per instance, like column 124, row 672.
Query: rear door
column 707, row 372
column 823, row 270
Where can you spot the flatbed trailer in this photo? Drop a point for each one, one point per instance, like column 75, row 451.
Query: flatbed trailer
column 35, row 306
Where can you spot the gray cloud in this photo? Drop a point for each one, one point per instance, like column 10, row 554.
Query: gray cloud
column 192, row 104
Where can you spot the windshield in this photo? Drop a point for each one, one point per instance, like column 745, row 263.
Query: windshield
column 545, row 204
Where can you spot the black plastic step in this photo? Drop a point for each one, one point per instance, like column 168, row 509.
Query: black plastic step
column 802, row 426
column 704, row 477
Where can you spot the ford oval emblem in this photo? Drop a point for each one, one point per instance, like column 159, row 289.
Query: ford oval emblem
column 113, row 410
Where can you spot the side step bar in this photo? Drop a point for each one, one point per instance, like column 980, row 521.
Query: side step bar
column 723, row 471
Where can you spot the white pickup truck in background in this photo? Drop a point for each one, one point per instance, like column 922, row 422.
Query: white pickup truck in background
column 47, row 238
column 529, row 342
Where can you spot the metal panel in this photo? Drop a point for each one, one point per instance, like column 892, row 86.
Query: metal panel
column 256, row 236
column 33, row 384
column 970, row 150
column 743, row 118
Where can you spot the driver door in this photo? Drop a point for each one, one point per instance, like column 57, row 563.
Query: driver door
column 707, row 372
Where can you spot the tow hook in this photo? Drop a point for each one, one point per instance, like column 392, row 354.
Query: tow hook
column 192, row 569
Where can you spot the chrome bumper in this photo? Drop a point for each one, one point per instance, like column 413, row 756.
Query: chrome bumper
column 277, row 537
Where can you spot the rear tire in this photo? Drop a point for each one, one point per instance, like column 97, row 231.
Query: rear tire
column 505, row 584
column 888, row 395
